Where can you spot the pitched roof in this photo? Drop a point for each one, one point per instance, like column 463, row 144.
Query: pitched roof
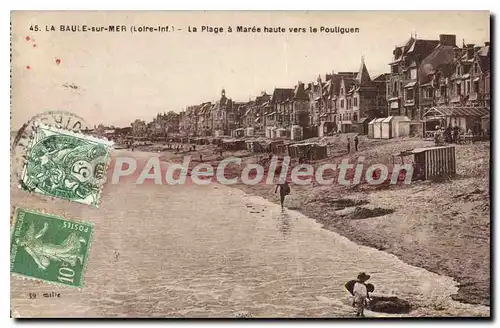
column 483, row 56
column 363, row 77
column 281, row 94
column 423, row 47
column 348, row 82
column 415, row 46
column 460, row 111
column 440, row 56
column 299, row 92
column 381, row 77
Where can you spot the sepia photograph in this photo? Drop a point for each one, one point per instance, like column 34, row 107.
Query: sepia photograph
column 250, row 164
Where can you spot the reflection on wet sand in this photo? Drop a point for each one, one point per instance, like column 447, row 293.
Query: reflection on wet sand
column 283, row 223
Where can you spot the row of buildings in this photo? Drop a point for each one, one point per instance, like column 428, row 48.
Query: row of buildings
column 432, row 82
column 162, row 125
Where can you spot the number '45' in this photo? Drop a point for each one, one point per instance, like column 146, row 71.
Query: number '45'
column 34, row 28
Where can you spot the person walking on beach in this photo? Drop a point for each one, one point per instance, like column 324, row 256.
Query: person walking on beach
column 348, row 145
column 360, row 294
column 356, row 142
column 284, row 191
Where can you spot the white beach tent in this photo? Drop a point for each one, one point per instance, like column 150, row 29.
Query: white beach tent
column 375, row 128
column 395, row 127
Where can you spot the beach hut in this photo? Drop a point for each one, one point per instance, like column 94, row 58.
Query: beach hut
column 395, row 127
column 311, row 151
column 282, row 149
column 370, row 128
column 233, row 144
column 296, row 132
column 273, row 146
column 318, row 152
column 431, row 162
column 361, row 126
column 376, row 127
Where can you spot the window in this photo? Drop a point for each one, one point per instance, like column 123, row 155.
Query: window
column 409, row 94
column 443, row 91
column 394, row 69
column 429, row 93
column 467, row 87
column 349, row 115
column 459, row 89
column 476, row 68
column 395, row 86
column 355, row 101
column 413, row 74
column 355, row 117
column 342, row 103
column 341, row 91
column 349, row 105
column 476, row 86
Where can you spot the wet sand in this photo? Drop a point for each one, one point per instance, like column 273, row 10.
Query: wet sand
column 443, row 226
column 214, row 251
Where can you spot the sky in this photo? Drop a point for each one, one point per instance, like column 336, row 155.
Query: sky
column 122, row 76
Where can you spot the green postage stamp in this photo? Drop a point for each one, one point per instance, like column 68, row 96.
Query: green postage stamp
column 65, row 164
column 49, row 248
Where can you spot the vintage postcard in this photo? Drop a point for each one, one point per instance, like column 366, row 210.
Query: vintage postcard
column 250, row 164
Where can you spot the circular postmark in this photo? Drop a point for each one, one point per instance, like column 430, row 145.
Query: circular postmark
column 60, row 119
column 66, row 167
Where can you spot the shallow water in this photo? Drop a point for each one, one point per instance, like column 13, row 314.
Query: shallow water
column 212, row 251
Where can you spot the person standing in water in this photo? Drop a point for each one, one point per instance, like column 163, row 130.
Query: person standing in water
column 360, row 294
column 284, row 191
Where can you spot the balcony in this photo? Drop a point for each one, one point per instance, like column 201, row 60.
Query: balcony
column 410, row 102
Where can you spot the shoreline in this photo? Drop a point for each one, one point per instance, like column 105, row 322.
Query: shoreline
column 470, row 290
column 434, row 233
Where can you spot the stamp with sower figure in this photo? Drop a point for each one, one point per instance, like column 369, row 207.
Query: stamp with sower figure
column 64, row 164
column 49, row 248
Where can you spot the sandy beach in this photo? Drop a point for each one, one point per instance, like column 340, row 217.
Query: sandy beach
column 182, row 256
column 443, row 227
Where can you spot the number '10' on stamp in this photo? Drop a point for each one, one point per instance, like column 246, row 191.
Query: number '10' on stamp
column 49, row 248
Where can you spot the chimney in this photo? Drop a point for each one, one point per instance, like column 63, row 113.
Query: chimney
column 447, row 39
column 470, row 51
